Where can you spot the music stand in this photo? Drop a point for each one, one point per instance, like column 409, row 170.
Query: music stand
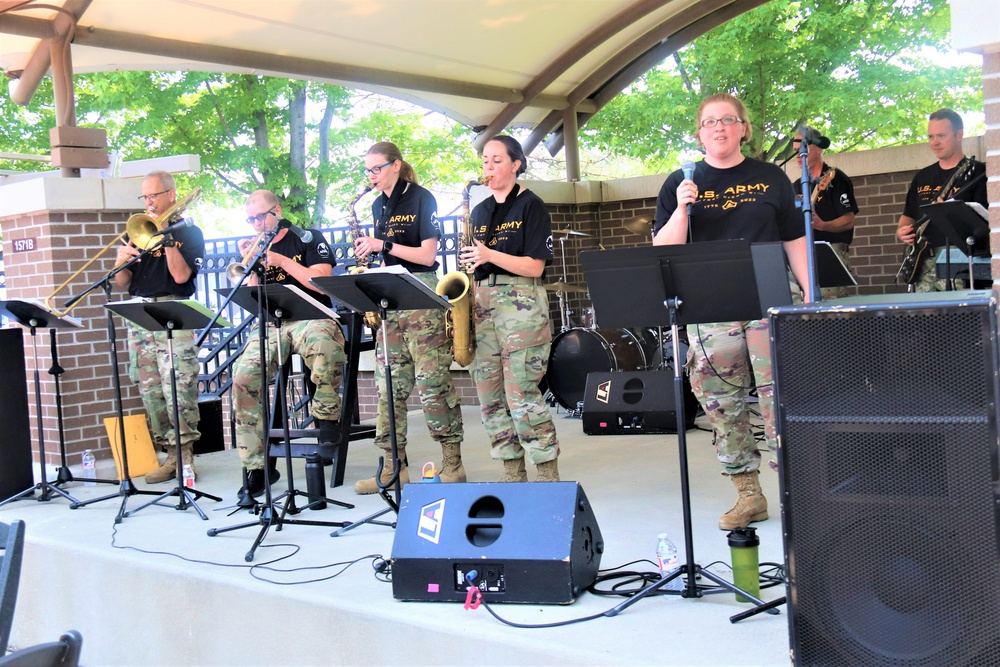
column 32, row 315
column 830, row 269
column 278, row 303
column 716, row 281
column 169, row 316
column 389, row 288
column 963, row 227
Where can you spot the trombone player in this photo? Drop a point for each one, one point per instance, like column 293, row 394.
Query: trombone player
column 165, row 273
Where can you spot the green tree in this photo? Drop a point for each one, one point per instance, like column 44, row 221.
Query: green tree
column 868, row 72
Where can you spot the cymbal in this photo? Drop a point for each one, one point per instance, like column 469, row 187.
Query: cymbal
column 568, row 232
column 564, row 287
column 640, row 225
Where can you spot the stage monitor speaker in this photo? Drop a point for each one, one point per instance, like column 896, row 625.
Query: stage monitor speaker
column 634, row 402
column 534, row 543
column 16, row 473
column 887, row 421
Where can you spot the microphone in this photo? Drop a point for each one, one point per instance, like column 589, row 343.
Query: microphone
column 183, row 224
column 814, row 138
column 304, row 234
column 688, row 168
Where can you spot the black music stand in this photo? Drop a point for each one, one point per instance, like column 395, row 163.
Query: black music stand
column 695, row 283
column 278, row 303
column 32, row 314
column 963, row 228
column 830, row 269
column 168, row 316
column 382, row 290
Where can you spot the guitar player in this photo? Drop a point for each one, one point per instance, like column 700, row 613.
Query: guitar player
column 833, row 202
column 937, row 182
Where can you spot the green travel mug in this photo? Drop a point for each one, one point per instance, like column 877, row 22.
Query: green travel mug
column 743, row 545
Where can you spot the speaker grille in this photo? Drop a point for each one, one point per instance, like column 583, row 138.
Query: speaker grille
column 888, row 429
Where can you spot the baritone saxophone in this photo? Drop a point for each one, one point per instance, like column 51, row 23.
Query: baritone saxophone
column 460, row 290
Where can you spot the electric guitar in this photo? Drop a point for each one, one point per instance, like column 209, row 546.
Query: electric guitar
column 824, row 183
column 917, row 252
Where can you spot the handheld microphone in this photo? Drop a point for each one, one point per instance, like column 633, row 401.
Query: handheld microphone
column 688, row 168
column 304, row 234
column 183, row 224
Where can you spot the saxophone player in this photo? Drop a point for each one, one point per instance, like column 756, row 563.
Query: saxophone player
column 406, row 234
column 511, row 246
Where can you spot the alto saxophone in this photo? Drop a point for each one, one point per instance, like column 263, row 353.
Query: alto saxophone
column 460, row 290
column 361, row 263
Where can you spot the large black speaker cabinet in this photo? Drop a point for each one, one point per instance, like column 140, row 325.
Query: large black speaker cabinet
column 536, row 542
column 887, row 419
column 15, row 447
column 632, row 402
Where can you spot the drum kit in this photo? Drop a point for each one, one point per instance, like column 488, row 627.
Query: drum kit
column 580, row 350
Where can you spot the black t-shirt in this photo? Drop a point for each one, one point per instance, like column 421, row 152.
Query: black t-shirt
column 317, row 251
column 412, row 221
column 925, row 189
column 525, row 231
column 753, row 201
column 834, row 201
column 151, row 276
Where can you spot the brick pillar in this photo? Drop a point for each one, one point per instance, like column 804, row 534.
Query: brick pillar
column 64, row 240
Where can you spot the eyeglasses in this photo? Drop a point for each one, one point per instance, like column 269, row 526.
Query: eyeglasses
column 261, row 217
column 375, row 171
column 725, row 120
column 149, row 198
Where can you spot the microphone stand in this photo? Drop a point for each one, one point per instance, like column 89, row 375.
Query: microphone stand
column 807, row 213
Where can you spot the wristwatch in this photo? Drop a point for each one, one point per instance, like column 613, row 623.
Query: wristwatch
column 386, row 247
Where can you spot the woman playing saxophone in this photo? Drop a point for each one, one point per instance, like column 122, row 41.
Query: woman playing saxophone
column 406, row 234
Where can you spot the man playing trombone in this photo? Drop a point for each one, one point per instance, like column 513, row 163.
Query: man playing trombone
column 293, row 258
column 167, row 272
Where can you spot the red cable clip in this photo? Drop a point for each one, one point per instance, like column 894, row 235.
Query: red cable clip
column 473, row 598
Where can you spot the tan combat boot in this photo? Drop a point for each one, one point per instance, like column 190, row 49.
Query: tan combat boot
column 452, row 469
column 513, row 471
column 187, row 456
column 750, row 506
column 368, row 486
column 548, row 471
column 166, row 471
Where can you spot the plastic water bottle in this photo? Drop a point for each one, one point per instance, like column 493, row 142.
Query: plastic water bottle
column 429, row 473
column 666, row 554
column 188, row 476
column 89, row 468
column 744, row 545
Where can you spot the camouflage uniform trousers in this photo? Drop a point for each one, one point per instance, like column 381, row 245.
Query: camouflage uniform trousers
column 512, row 354
column 927, row 280
column 320, row 343
column 419, row 355
column 735, row 354
column 843, row 251
column 149, row 368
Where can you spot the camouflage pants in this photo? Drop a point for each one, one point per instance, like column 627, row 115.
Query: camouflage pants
column 724, row 360
column 149, row 367
column 420, row 356
column 512, row 354
column 927, row 280
column 320, row 343
column 843, row 251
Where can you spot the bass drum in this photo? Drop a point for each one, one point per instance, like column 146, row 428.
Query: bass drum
column 577, row 352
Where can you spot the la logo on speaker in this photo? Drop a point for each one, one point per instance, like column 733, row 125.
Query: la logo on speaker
column 603, row 392
column 431, row 518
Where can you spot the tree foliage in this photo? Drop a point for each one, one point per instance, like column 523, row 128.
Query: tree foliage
column 864, row 71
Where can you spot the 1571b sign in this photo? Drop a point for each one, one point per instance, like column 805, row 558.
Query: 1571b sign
column 22, row 245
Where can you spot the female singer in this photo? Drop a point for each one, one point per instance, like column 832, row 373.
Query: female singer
column 512, row 245
column 406, row 233
column 732, row 197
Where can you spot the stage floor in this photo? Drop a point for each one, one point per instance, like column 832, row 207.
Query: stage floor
column 157, row 590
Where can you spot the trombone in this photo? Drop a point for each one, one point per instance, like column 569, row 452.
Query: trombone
column 143, row 231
